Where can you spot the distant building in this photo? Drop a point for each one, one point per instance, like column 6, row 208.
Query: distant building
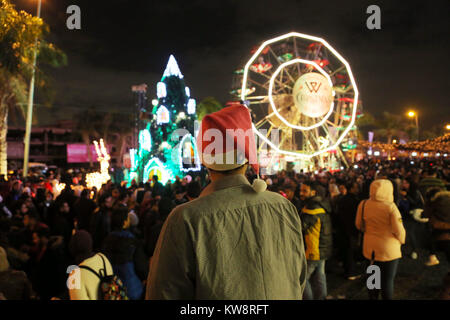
column 47, row 144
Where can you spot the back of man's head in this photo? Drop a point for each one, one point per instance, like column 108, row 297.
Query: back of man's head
column 193, row 190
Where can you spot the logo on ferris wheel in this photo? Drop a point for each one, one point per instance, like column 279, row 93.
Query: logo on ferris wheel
column 312, row 86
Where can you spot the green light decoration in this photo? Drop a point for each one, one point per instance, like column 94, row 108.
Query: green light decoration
column 286, row 57
column 159, row 151
column 155, row 167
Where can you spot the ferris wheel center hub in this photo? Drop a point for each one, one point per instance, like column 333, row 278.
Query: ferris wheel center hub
column 312, row 94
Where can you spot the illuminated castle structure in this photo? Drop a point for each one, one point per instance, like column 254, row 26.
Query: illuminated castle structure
column 166, row 141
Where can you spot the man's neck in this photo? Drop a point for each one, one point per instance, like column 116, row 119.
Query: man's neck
column 218, row 176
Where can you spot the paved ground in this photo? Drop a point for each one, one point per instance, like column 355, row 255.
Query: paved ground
column 414, row 280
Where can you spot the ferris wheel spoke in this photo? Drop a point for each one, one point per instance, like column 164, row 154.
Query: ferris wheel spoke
column 257, row 83
column 289, row 75
column 279, row 82
column 267, row 137
column 261, row 122
column 296, row 54
column 337, row 70
column 275, row 56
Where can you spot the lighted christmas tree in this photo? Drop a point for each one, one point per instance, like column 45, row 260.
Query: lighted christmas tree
column 167, row 144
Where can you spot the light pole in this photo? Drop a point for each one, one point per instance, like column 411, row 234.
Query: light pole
column 26, row 152
column 413, row 114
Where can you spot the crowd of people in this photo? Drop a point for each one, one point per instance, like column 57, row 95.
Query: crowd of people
column 361, row 214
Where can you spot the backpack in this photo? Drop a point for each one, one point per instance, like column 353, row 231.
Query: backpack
column 111, row 287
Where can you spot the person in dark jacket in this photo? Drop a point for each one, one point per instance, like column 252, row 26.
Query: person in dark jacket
column 83, row 209
column 165, row 206
column 317, row 231
column 346, row 214
column 411, row 201
column 49, row 264
column 158, row 188
column 60, row 224
column 100, row 224
column 127, row 257
column 437, row 209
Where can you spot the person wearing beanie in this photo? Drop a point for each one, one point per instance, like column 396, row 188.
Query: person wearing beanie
column 236, row 240
column 80, row 248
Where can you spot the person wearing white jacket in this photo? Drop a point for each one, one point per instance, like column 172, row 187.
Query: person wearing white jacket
column 381, row 221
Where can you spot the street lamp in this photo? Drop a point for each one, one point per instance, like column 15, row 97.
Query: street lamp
column 413, row 114
column 26, row 152
column 447, row 127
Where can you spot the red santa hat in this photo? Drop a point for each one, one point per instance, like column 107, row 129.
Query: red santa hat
column 226, row 141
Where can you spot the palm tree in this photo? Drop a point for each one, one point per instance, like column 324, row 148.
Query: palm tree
column 364, row 124
column 207, row 106
column 89, row 123
column 18, row 34
column 390, row 125
column 95, row 125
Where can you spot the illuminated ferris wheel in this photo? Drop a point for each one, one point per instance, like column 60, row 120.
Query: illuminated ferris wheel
column 301, row 86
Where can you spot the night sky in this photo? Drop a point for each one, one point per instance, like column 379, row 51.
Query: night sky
column 125, row 42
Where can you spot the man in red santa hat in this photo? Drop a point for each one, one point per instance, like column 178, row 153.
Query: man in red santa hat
column 237, row 240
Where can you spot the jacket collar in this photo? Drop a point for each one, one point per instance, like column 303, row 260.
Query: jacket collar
column 227, row 182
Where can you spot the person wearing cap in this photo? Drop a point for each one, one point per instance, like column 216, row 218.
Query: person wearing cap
column 235, row 241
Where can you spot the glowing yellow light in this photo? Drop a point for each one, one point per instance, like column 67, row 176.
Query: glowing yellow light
column 394, row 141
column 447, row 127
column 411, row 114
column 60, row 186
column 97, row 179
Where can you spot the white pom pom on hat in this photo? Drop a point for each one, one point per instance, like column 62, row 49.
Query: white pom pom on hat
column 259, row 185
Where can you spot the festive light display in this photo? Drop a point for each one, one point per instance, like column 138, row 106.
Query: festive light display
column 162, row 115
column 58, row 187
column 286, row 57
column 156, row 167
column 161, row 91
column 191, row 106
column 97, row 179
column 437, row 145
column 145, row 140
column 282, row 82
column 261, row 67
column 167, row 130
column 188, row 151
column 172, row 68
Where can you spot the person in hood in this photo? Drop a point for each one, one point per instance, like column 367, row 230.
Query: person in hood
column 236, row 241
column 381, row 221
